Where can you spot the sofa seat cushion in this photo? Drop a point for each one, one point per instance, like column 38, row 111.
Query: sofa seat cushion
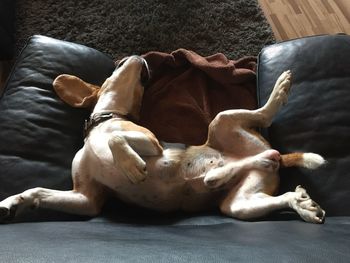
column 317, row 115
column 178, row 239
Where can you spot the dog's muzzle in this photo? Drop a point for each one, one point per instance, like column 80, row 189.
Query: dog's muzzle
column 145, row 71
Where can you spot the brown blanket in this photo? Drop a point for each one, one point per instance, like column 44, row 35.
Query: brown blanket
column 187, row 90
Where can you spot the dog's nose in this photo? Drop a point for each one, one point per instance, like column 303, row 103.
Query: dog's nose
column 145, row 73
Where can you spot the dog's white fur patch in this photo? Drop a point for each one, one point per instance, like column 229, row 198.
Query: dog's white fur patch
column 313, row 160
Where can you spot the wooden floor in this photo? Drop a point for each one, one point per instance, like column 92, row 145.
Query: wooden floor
column 297, row 18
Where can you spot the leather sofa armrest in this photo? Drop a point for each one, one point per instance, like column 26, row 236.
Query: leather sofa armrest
column 317, row 115
column 39, row 133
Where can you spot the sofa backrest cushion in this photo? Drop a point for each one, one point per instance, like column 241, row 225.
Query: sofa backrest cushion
column 39, row 133
column 317, row 115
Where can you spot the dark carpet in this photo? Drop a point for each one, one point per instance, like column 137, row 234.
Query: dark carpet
column 122, row 27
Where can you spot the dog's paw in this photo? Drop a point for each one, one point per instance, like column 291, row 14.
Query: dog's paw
column 127, row 160
column 134, row 168
column 282, row 87
column 308, row 209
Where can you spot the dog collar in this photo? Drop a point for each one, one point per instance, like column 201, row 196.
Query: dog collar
column 98, row 118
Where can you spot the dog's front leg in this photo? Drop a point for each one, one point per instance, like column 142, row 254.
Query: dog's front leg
column 127, row 147
column 65, row 201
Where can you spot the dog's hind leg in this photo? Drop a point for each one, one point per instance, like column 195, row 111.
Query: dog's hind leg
column 278, row 97
column 223, row 125
column 251, row 202
column 267, row 161
column 262, row 117
column 72, row 202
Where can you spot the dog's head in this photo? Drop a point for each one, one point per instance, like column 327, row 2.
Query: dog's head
column 126, row 85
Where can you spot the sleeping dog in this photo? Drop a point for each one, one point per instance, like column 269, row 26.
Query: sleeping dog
column 235, row 170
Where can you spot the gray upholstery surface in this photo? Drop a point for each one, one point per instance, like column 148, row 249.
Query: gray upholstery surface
column 191, row 239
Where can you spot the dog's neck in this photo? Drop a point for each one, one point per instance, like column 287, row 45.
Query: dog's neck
column 112, row 102
column 97, row 118
column 122, row 102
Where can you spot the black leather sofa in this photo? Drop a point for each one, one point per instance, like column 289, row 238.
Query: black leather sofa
column 39, row 136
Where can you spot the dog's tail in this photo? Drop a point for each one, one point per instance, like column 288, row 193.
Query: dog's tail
column 305, row 160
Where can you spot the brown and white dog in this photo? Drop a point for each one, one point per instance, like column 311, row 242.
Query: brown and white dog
column 234, row 170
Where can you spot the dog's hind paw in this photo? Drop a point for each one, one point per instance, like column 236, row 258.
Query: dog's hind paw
column 282, row 86
column 308, row 209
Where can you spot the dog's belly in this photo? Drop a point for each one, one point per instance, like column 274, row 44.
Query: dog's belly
column 153, row 194
column 167, row 195
column 164, row 189
column 167, row 187
column 159, row 196
column 172, row 184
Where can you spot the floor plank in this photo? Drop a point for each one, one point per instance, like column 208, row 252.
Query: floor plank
column 291, row 19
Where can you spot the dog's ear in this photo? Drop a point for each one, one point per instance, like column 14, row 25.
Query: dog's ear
column 75, row 92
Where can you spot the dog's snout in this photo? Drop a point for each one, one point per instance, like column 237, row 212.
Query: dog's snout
column 135, row 59
column 129, row 60
column 136, row 62
column 145, row 72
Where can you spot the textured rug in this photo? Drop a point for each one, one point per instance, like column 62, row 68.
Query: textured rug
column 235, row 28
